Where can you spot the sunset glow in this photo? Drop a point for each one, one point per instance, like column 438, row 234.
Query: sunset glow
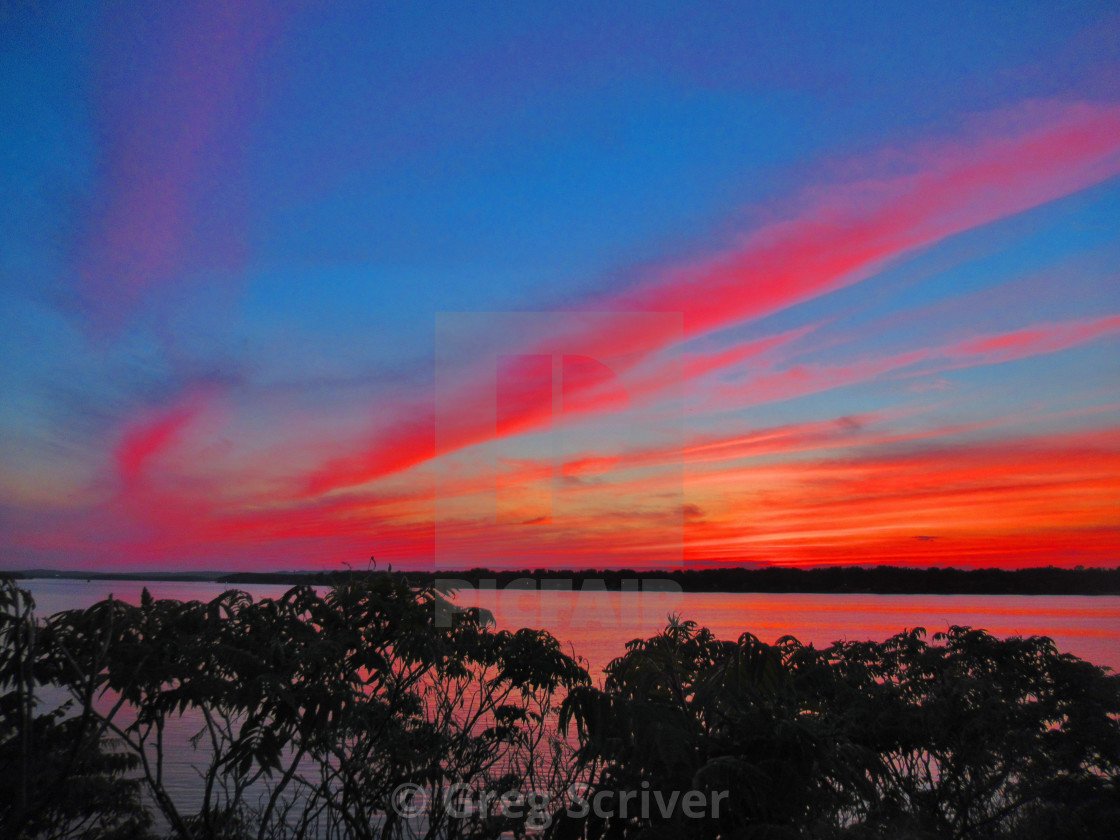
column 287, row 287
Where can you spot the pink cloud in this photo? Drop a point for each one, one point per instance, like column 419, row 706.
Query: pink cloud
column 1036, row 340
column 145, row 439
column 157, row 147
column 1046, row 338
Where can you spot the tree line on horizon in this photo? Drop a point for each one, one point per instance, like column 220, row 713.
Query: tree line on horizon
column 313, row 708
column 885, row 580
column 882, row 580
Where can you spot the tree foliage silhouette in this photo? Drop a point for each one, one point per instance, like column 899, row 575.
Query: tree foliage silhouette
column 968, row 737
column 313, row 708
column 309, row 710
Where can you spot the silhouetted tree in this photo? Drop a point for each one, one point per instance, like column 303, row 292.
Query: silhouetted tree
column 313, row 709
column 969, row 737
column 979, row 737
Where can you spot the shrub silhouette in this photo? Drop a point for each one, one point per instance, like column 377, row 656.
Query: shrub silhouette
column 969, row 737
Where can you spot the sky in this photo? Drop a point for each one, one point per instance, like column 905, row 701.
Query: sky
column 291, row 285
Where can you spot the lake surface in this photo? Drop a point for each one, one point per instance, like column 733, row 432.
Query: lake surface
column 596, row 625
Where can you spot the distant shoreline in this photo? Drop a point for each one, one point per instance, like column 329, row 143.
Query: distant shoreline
column 877, row 580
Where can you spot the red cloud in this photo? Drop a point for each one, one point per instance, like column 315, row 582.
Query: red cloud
column 844, row 234
column 848, row 232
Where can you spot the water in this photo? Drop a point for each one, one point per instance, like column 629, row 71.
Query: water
column 596, row 625
column 1087, row 626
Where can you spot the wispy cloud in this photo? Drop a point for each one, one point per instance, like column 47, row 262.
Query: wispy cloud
column 846, row 232
column 159, row 150
column 147, row 437
column 1038, row 339
column 841, row 235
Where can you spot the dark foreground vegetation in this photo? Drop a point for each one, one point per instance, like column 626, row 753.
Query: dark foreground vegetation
column 310, row 710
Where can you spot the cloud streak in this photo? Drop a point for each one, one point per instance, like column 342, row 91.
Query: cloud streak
column 843, row 234
column 145, row 230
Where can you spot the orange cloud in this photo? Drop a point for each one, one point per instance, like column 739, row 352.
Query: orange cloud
column 1032, row 500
